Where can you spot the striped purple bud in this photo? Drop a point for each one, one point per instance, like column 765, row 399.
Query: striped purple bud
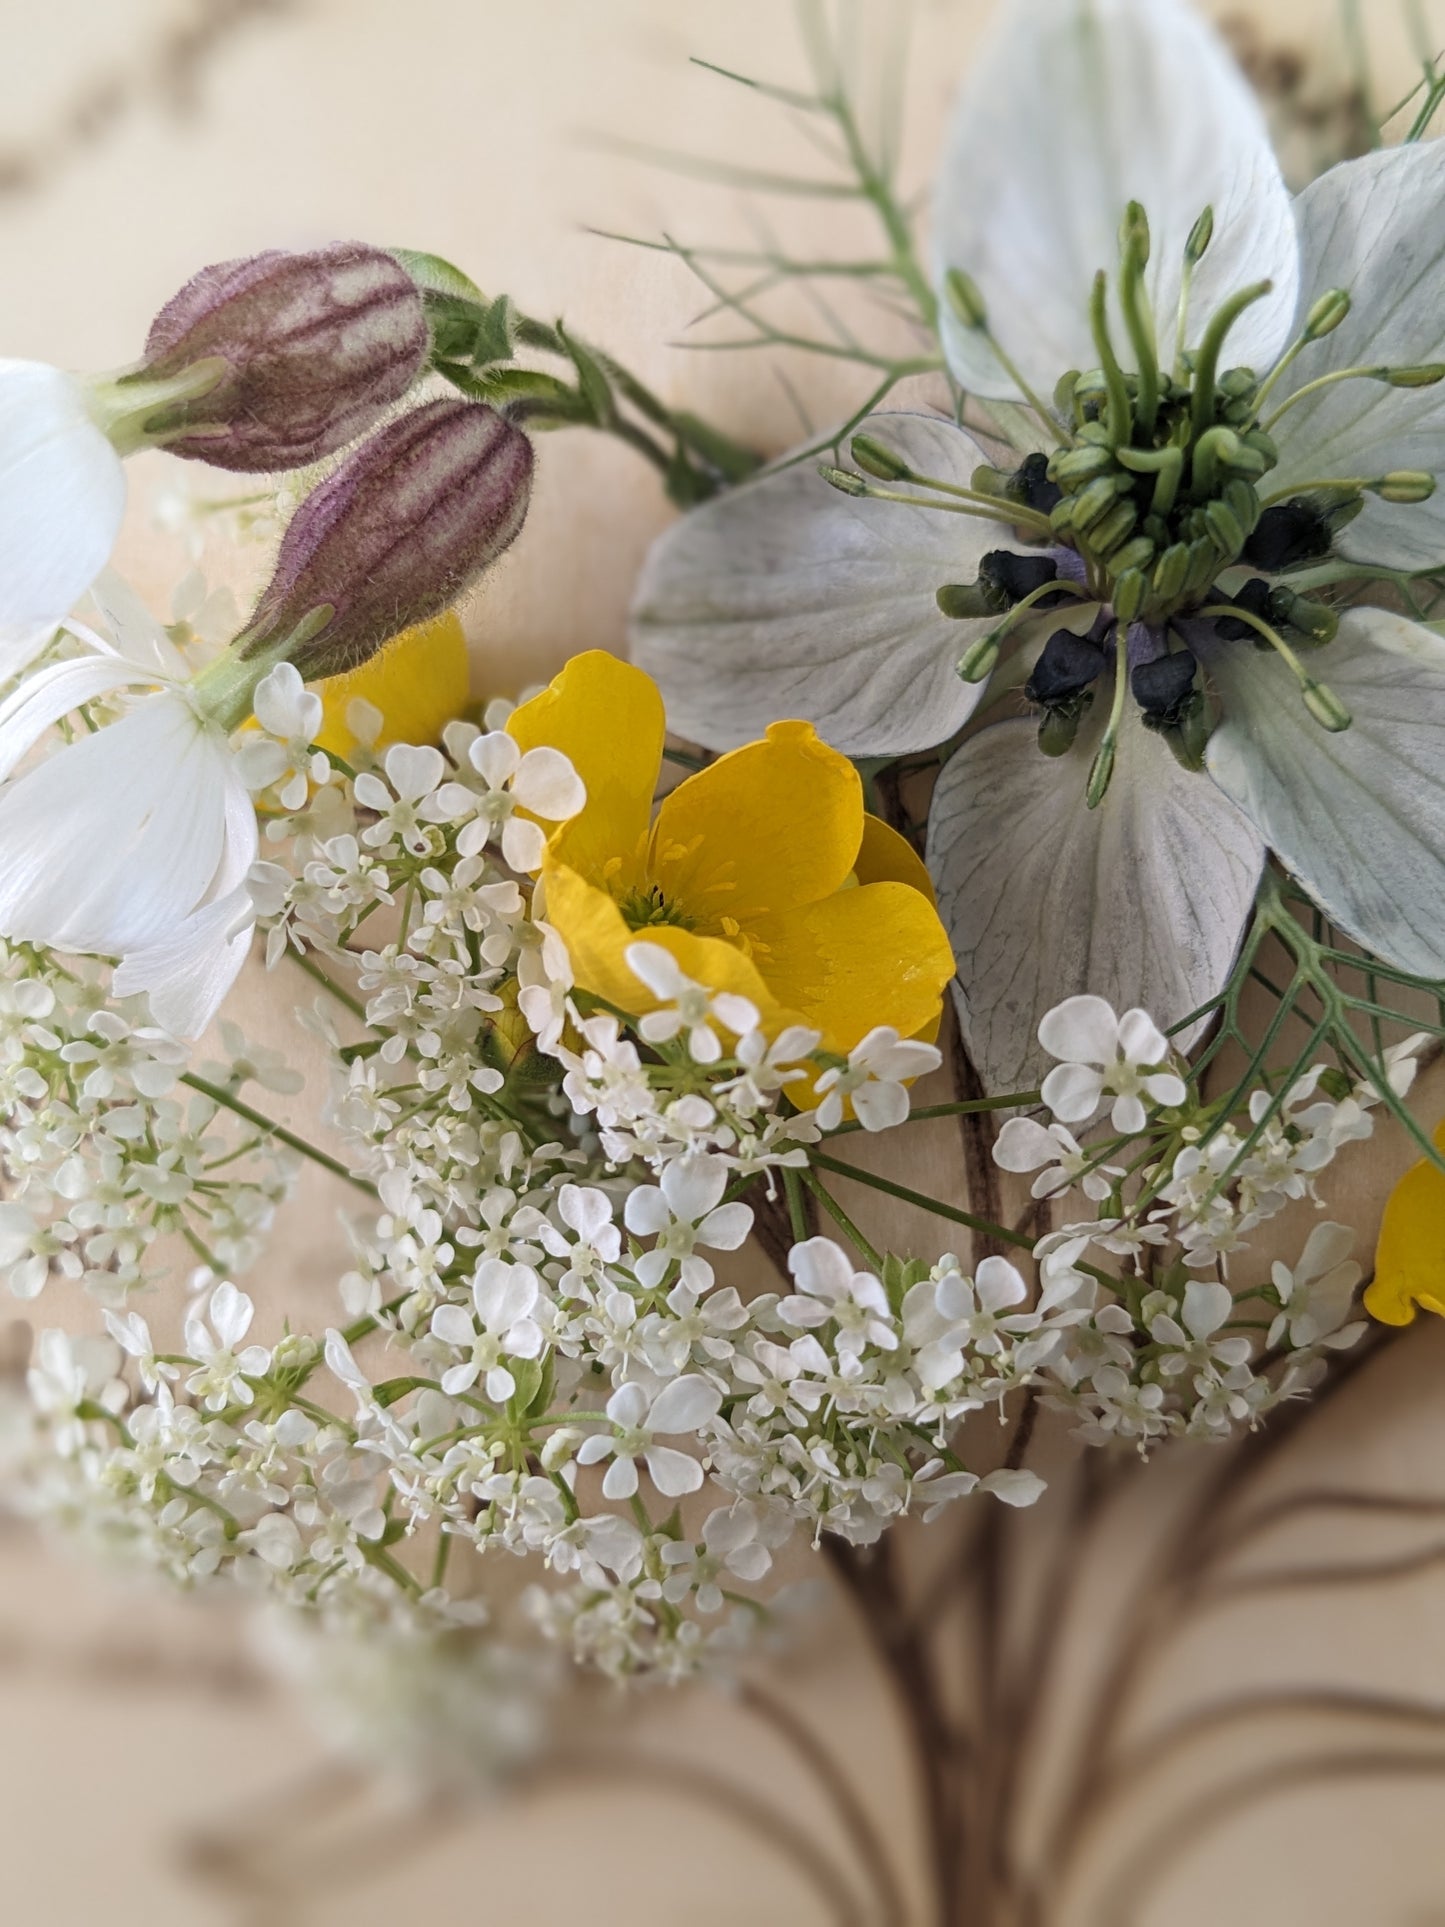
column 406, row 523
column 312, row 348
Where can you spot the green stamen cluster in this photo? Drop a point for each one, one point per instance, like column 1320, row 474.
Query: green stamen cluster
column 647, row 909
column 1161, row 478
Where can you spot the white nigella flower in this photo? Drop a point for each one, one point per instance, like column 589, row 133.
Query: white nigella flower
column 1257, row 397
column 131, row 841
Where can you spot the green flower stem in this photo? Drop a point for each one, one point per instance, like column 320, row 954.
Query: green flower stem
column 839, row 1215
column 797, row 1214
column 949, row 1211
column 318, row 975
column 971, row 1107
column 230, row 1102
column 379, row 1557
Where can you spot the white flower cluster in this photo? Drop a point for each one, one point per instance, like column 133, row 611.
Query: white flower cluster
column 118, row 1160
column 536, row 1354
column 539, row 1356
column 1160, row 1342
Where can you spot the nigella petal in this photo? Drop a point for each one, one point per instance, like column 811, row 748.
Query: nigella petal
column 1141, row 901
column 1372, row 226
column 1358, row 817
column 1075, row 108
column 786, row 598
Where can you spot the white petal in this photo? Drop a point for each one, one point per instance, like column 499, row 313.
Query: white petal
column 627, row 1406
column 230, row 1313
column 1014, row 1487
column 1141, row 1039
column 998, row 1284
column 821, row 1267
column 114, row 838
column 673, row 1473
column 500, row 1385
column 52, row 692
column 1076, row 108
column 727, row 1228
column 136, row 634
column 1206, row 1307
column 1358, row 817
column 414, row 771
column 1023, row 1144
column 523, row 845
column 1141, row 901
column 655, row 967
column 1328, row 1245
column 684, row 1405
column 784, row 598
column 1373, row 227
column 1081, row 1030
column 693, row 1185
column 880, row 1107
column 621, row 1479
column 454, row 1325
column 1073, row 1091
column 547, row 783
column 646, row 1212
column 189, row 973
column 495, row 757
column 62, row 494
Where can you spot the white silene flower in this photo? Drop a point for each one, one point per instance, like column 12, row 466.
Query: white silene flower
column 1230, row 396
column 62, row 497
column 132, row 840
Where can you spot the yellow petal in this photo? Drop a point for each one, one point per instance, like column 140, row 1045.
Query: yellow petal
column 608, row 718
column 770, row 825
column 874, row 954
column 1410, row 1258
column 419, row 682
column 597, row 937
column 887, row 857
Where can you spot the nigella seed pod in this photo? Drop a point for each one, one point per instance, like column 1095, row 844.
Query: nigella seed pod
column 405, row 524
column 313, row 347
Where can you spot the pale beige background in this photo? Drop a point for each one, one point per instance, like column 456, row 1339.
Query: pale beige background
column 131, row 152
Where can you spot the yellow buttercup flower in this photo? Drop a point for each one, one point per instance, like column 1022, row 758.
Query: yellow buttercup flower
column 1410, row 1259
column 419, row 682
column 761, row 875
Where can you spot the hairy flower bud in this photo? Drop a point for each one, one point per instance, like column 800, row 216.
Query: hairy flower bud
column 309, row 348
column 405, row 524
